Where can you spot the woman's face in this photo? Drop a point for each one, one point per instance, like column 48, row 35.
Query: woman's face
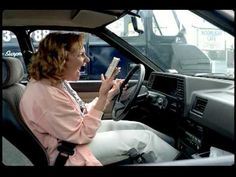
column 75, row 60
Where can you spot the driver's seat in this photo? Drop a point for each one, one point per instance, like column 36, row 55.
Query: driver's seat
column 15, row 130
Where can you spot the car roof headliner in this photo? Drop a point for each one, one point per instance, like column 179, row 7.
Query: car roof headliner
column 65, row 18
column 92, row 19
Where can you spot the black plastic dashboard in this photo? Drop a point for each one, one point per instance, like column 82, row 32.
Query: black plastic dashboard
column 207, row 101
column 172, row 87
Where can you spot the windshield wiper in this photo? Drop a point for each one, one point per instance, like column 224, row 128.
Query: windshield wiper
column 215, row 75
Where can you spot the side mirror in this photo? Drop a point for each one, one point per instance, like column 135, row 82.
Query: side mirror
column 137, row 24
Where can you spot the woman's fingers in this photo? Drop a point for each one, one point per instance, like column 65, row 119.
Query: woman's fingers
column 102, row 77
column 125, row 87
column 111, row 84
column 116, row 71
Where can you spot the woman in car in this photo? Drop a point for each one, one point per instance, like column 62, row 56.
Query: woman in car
column 54, row 111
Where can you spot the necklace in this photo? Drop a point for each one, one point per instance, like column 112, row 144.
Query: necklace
column 73, row 93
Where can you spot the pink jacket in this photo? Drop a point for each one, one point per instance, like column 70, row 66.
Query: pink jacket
column 52, row 113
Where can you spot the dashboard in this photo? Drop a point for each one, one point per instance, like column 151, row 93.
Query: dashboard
column 173, row 89
column 201, row 102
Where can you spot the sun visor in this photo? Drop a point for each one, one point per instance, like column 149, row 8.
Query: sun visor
column 92, row 19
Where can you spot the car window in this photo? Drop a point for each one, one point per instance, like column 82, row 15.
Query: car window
column 163, row 27
column 11, row 48
column 181, row 41
column 36, row 36
column 100, row 53
column 212, row 41
column 123, row 27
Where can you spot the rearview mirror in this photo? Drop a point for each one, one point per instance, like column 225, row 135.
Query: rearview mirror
column 137, row 24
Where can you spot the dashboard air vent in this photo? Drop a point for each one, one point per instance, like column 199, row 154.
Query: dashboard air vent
column 199, row 106
column 151, row 80
column 180, row 88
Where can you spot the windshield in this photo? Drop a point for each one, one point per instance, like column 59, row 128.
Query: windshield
column 180, row 41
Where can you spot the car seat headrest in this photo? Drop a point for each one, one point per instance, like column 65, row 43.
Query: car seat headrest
column 12, row 71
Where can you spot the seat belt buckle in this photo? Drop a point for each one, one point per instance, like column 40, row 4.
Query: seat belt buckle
column 65, row 148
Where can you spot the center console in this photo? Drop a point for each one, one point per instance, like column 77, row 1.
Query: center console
column 191, row 140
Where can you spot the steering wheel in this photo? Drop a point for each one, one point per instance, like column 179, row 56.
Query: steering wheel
column 125, row 99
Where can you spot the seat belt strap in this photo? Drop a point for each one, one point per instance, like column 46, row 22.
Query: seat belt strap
column 65, row 150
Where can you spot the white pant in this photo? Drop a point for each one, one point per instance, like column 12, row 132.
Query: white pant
column 114, row 139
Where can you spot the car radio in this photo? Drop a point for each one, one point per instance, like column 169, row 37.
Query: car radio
column 191, row 138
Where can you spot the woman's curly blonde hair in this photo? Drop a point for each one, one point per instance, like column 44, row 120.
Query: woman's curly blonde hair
column 48, row 62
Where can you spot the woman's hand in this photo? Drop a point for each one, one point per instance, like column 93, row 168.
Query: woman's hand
column 115, row 89
column 109, row 88
column 109, row 85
